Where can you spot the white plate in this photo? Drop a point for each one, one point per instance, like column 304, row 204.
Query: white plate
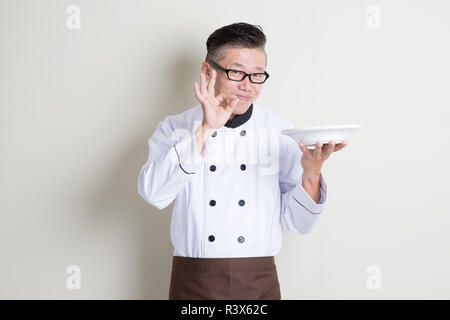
column 311, row 135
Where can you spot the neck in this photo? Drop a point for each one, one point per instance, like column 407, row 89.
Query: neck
column 235, row 114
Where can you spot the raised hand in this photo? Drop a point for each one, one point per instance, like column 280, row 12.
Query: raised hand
column 214, row 115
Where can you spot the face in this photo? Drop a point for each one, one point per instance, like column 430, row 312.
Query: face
column 243, row 59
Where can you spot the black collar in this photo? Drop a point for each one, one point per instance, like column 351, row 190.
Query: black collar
column 240, row 119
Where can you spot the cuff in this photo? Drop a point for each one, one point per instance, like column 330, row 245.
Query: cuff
column 305, row 200
column 189, row 159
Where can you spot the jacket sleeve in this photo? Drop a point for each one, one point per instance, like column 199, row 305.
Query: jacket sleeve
column 172, row 162
column 299, row 211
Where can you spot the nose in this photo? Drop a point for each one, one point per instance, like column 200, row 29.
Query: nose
column 245, row 84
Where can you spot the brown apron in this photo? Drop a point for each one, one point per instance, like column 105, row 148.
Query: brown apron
column 253, row 278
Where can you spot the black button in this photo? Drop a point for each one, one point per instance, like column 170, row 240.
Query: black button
column 243, row 132
column 212, row 168
column 211, row 238
column 243, row 167
column 214, row 133
column 212, row 203
column 241, row 202
column 241, row 239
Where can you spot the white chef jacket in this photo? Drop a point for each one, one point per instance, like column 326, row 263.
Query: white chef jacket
column 231, row 198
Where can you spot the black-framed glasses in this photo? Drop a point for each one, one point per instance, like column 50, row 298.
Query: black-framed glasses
column 237, row 75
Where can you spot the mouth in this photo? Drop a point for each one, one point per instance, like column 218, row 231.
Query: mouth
column 243, row 98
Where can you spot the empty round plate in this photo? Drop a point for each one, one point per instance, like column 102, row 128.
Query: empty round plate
column 311, row 135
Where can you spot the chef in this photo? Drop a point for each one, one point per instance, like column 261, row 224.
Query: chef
column 234, row 178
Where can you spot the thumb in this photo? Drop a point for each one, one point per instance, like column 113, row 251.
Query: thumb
column 219, row 99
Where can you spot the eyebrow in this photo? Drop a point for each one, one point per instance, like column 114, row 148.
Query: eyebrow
column 242, row 66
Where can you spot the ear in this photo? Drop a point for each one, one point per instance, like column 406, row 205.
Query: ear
column 206, row 68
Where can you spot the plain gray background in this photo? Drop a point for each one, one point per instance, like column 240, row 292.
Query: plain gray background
column 78, row 106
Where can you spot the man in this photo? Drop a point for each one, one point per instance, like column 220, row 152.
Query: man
column 226, row 221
